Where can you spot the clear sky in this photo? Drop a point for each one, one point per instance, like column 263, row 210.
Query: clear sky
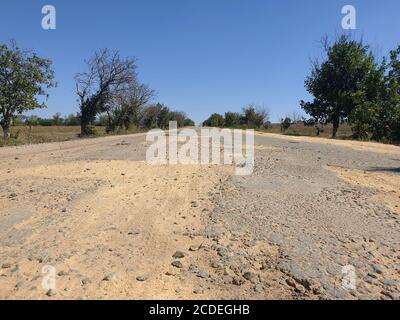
column 201, row 56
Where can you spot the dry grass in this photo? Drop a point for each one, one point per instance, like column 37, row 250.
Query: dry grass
column 25, row 135
column 300, row 129
column 21, row 135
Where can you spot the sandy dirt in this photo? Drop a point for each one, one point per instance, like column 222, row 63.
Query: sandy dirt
column 114, row 227
column 386, row 186
column 356, row 145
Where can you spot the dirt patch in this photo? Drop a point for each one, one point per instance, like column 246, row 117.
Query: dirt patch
column 355, row 145
column 387, row 186
column 110, row 228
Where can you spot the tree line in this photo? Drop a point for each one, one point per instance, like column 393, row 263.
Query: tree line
column 109, row 93
column 350, row 85
column 251, row 117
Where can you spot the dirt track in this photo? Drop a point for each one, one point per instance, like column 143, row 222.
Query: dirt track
column 110, row 224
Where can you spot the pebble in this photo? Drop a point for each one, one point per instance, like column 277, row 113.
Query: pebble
column 259, row 288
column 51, row 293
column 237, row 281
column 203, row 275
column 141, row 278
column 391, row 295
column 110, row 277
column 249, row 276
column 198, row 291
column 6, row 265
column 378, row 268
column 177, row 264
column 179, row 255
column 216, row 265
column 194, row 204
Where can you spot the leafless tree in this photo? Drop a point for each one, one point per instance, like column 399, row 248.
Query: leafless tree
column 107, row 75
column 125, row 107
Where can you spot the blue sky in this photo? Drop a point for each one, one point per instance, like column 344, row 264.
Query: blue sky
column 201, row 56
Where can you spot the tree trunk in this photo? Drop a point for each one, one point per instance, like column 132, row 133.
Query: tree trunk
column 6, row 132
column 84, row 129
column 335, row 128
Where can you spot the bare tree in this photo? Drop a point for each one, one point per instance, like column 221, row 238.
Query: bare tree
column 125, row 107
column 106, row 76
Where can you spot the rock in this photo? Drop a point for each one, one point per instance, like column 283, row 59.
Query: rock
column 237, row 281
column 203, row 275
column 227, row 279
column 198, row 291
column 51, row 293
column 370, row 280
column 216, row 265
column 193, row 268
column 222, row 252
column 6, row 265
column 390, row 283
column 194, row 248
column 291, row 283
column 259, row 288
column 194, row 204
column 391, row 295
column 378, row 268
column 62, row 273
column 64, row 210
column 86, row 281
column 141, row 278
column 177, row 264
column 179, row 255
column 110, row 277
column 13, row 195
column 249, row 276
column 133, row 233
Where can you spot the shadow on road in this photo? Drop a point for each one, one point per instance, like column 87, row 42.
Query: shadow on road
column 391, row 170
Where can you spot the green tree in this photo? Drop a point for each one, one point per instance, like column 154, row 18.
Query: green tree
column 232, row 119
column 215, row 120
column 335, row 82
column 377, row 107
column 24, row 78
column 286, row 123
column 188, row 123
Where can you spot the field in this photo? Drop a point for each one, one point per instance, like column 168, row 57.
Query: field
column 38, row 134
column 299, row 129
column 21, row 135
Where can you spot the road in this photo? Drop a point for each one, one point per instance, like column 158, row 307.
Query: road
column 114, row 227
